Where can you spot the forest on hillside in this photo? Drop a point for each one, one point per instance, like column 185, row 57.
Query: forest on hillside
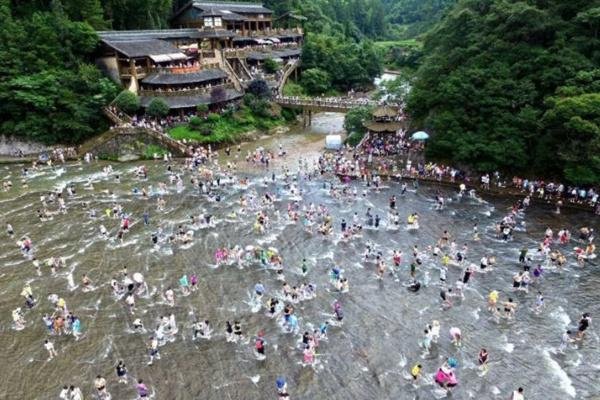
column 514, row 85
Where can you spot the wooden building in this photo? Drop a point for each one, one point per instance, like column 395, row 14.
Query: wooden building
column 241, row 18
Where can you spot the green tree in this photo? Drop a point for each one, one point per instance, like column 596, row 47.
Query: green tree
column 259, row 106
column 49, row 90
column 195, row 123
column 488, row 76
column 158, row 108
column 355, row 119
column 127, row 102
column 218, row 95
column 89, row 11
column 271, row 66
column 348, row 64
column 202, row 109
column 138, row 14
column 260, row 89
column 316, row 81
column 574, row 123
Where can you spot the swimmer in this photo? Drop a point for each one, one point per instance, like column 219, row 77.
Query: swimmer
column 416, row 372
column 51, row 350
column 153, row 351
column 445, row 295
column 564, row 341
column 456, row 336
column 121, row 372
column 259, row 346
column 100, row 385
column 510, row 308
column 492, row 300
column 584, row 324
column 435, row 330
column 482, row 359
column 518, row 394
column 539, row 303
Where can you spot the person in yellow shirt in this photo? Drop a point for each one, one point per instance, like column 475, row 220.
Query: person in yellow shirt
column 492, row 299
column 416, row 371
column 445, row 260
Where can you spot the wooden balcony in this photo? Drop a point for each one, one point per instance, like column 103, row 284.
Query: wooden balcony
column 188, row 92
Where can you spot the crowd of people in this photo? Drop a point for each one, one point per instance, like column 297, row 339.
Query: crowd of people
column 342, row 102
column 363, row 162
column 201, row 173
column 389, row 144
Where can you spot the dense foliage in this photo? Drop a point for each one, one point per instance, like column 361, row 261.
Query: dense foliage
column 348, row 64
column 414, row 17
column 513, row 85
column 158, row 108
column 127, row 101
column 229, row 127
column 271, row 66
column 354, row 123
column 49, row 90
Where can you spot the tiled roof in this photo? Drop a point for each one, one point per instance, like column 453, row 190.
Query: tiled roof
column 150, row 34
column 177, row 102
column 183, row 79
column 244, row 8
column 274, row 54
column 383, row 126
column 142, row 48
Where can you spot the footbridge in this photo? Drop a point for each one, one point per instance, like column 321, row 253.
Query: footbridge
column 308, row 105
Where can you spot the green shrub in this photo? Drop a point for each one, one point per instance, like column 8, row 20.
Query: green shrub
column 195, row 122
column 355, row 138
column 127, row 102
column 271, row 66
column 153, row 149
column 213, row 118
column 157, row 108
column 202, row 109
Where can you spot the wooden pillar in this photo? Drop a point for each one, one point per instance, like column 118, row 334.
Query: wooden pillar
column 132, row 70
column 309, row 117
column 200, row 50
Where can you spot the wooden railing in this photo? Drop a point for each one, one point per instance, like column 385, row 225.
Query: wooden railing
column 272, row 31
column 188, row 92
column 243, row 52
column 116, row 118
column 323, row 104
column 231, row 73
column 285, row 74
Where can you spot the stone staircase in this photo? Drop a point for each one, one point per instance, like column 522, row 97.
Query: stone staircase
column 363, row 140
column 286, row 72
column 122, row 128
column 224, row 64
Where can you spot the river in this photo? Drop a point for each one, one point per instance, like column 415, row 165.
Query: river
column 367, row 358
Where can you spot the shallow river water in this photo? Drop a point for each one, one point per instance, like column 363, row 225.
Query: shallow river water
column 367, row 358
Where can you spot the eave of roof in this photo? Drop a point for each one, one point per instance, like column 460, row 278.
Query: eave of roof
column 178, row 102
column 182, row 79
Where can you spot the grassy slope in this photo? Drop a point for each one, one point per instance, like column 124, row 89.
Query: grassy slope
column 227, row 129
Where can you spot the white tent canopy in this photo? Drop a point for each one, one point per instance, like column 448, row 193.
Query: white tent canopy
column 333, row 142
column 168, row 57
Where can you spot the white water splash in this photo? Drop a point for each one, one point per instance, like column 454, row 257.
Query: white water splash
column 565, row 382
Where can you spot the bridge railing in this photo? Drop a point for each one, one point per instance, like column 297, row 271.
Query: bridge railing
column 343, row 104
